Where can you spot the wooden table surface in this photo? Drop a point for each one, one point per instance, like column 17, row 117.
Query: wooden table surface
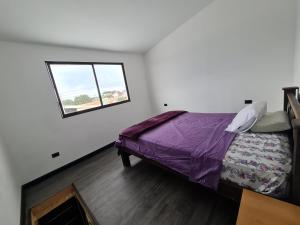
column 257, row 209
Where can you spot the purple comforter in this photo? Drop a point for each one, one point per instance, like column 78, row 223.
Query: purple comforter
column 193, row 144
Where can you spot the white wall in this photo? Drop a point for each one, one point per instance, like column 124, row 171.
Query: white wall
column 297, row 48
column 10, row 190
column 230, row 51
column 30, row 118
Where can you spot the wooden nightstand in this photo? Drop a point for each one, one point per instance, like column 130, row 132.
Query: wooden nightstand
column 257, row 209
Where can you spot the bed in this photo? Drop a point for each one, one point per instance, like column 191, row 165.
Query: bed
column 223, row 161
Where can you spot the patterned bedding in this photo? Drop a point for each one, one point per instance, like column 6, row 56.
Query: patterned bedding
column 261, row 162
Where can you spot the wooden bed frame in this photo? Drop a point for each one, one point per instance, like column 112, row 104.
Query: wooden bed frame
column 233, row 191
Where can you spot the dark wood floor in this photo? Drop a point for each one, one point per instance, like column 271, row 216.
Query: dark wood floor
column 142, row 194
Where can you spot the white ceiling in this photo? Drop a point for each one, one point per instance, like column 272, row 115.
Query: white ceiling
column 120, row 25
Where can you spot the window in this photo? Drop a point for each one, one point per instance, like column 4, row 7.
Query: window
column 83, row 87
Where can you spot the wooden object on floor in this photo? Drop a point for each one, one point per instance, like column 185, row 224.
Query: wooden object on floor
column 258, row 209
column 45, row 207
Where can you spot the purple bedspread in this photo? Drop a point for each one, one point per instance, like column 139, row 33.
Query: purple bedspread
column 193, row 144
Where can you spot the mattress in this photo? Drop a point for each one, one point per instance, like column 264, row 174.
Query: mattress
column 261, row 162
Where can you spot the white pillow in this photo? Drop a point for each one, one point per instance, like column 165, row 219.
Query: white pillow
column 247, row 117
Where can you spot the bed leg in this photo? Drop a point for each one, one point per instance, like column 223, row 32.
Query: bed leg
column 125, row 159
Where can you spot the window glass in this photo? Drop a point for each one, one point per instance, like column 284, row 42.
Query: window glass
column 111, row 83
column 82, row 87
column 76, row 87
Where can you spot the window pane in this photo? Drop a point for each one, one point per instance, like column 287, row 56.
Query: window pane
column 111, row 83
column 76, row 87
